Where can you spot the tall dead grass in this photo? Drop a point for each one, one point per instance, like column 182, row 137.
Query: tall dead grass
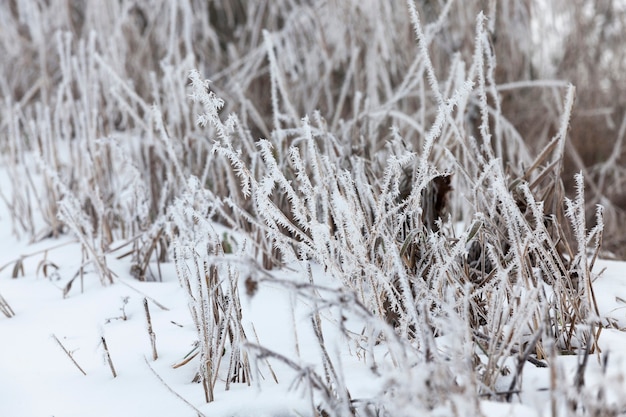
column 409, row 151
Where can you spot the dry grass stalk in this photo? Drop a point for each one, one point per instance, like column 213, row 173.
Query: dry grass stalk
column 6, row 308
column 151, row 333
column 69, row 354
column 337, row 188
column 108, row 356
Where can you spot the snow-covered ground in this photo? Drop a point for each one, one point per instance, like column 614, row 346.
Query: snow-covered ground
column 99, row 113
column 37, row 378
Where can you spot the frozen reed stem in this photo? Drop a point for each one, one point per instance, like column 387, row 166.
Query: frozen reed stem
column 108, row 356
column 151, row 334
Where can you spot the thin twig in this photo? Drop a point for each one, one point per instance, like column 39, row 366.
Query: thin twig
column 69, row 354
column 267, row 362
column 156, row 303
column 180, row 397
column 28, row 255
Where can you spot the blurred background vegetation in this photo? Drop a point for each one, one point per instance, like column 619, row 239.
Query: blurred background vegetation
column 337, row 57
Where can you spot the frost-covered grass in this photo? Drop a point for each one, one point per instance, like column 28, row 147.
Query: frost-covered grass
column 347, row 212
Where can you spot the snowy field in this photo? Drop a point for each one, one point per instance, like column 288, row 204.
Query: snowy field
column 38, row 378
column 283, row 208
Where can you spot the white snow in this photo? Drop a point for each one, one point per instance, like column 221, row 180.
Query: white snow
column 38, row 379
